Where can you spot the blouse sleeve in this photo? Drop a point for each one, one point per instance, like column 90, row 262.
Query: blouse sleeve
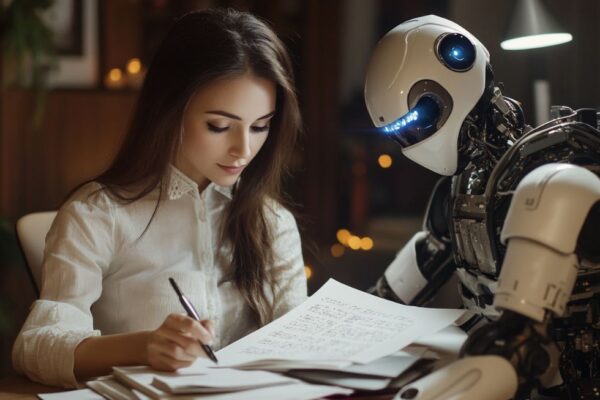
column 288, row 268
column 79, row 248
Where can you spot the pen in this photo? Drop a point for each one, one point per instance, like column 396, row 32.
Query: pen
column 191, row 312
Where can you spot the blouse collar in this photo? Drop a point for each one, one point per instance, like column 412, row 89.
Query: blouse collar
column 181, row 184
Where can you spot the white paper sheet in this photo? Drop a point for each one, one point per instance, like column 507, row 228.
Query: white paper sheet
column 82, row 394
column 338, row 323
column 386, row 367
column 448, row 340
column 220, row 380
column 293, row 391
column 139, row 378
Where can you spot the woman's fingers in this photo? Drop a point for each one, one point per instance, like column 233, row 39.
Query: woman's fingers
column 189, row 326
column 189, row 344
column 164, row 362
column 178, row 342
column 209, row 325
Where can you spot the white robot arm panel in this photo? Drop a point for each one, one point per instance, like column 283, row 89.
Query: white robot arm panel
column 403, row 274
column 542, row 226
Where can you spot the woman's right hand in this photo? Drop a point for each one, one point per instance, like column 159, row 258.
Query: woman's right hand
column 177, row 342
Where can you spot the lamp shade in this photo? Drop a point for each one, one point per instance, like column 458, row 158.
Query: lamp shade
column 532, row 26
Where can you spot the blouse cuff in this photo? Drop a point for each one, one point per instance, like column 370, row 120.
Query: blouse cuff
column 58, row 351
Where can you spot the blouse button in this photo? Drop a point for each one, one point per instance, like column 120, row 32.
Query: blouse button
column 202, row 212
column 203, row 257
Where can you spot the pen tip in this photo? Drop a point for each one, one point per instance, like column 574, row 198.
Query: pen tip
column 172, row 282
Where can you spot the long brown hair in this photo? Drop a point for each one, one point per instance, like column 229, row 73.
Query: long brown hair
column 200, row 47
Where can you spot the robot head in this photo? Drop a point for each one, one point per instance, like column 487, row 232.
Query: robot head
column 424, row 77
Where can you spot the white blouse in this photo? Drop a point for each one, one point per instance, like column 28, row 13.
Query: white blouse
column 98, row 278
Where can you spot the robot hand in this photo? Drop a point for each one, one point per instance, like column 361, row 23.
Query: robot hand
column 500, row 360
column 520, row 341
column 479, row 377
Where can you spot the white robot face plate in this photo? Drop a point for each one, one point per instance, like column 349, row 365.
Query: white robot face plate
column 405, row 58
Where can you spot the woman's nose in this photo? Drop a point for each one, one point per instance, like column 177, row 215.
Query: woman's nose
column 241, row 144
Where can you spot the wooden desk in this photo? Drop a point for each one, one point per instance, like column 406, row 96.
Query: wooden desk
column 21, row 388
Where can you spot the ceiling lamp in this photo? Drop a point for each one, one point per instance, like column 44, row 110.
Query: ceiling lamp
column 532, row 27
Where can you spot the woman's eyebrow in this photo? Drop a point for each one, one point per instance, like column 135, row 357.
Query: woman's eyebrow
column 269, row 115
column 232, row 116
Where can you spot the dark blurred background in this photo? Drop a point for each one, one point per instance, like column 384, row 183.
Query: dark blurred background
column 358, row 200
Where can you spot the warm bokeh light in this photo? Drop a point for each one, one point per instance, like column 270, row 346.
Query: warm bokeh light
column 308, row 271
column 366, row 243
column 354, row 242
column 342, row 236
column 134, row 66
column 115, row 75
column 385, row 161
column 337, row 250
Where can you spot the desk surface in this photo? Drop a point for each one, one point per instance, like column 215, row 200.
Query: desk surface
column 21, row 388
column 18, row 388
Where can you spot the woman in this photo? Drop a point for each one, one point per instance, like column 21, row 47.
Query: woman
column 193, row 194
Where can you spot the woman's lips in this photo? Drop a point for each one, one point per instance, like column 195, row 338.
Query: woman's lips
column 232, row 170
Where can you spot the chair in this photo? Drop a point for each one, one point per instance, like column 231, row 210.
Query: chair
column 31, row 235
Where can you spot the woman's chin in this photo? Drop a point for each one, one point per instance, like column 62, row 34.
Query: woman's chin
column 225, row 181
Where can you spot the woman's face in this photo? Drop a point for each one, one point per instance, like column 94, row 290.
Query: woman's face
column 225, row 125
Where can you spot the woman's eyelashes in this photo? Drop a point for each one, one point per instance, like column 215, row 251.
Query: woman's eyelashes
column 215, row 128
column 220, row 129
column 258, row 129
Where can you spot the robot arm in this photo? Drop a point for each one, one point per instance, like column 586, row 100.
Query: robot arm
column 418, row 270
column 425, row 263
column 548, row 210
column 542, row 228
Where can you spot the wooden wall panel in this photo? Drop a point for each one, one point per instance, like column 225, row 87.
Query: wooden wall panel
column 15, row 135
column 318, row 89
column 78, row 137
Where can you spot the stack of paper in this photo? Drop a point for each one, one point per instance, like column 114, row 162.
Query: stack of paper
column 224, row 380
column 216, row 383
column 339, row 339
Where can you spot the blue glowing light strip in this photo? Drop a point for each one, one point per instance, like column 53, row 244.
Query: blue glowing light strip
column 401, row 122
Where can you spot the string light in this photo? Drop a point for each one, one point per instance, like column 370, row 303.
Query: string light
column 115, row 74
column 354, row 242
column 308, row 271
column 366, row 243
column 337, row 250
column 342, row 236
column 114, row 79
column 134, row 66
column 385, row 161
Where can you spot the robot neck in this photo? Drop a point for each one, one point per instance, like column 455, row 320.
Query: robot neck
column 492, row 127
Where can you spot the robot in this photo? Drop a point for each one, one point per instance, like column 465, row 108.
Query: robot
column 515, row 217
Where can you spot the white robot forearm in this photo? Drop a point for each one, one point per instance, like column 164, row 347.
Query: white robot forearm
column 403, row 275
column 420, row 268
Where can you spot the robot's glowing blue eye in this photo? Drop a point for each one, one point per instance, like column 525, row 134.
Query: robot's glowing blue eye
column 417, row 124
column 455, row 51
column 457, row 54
